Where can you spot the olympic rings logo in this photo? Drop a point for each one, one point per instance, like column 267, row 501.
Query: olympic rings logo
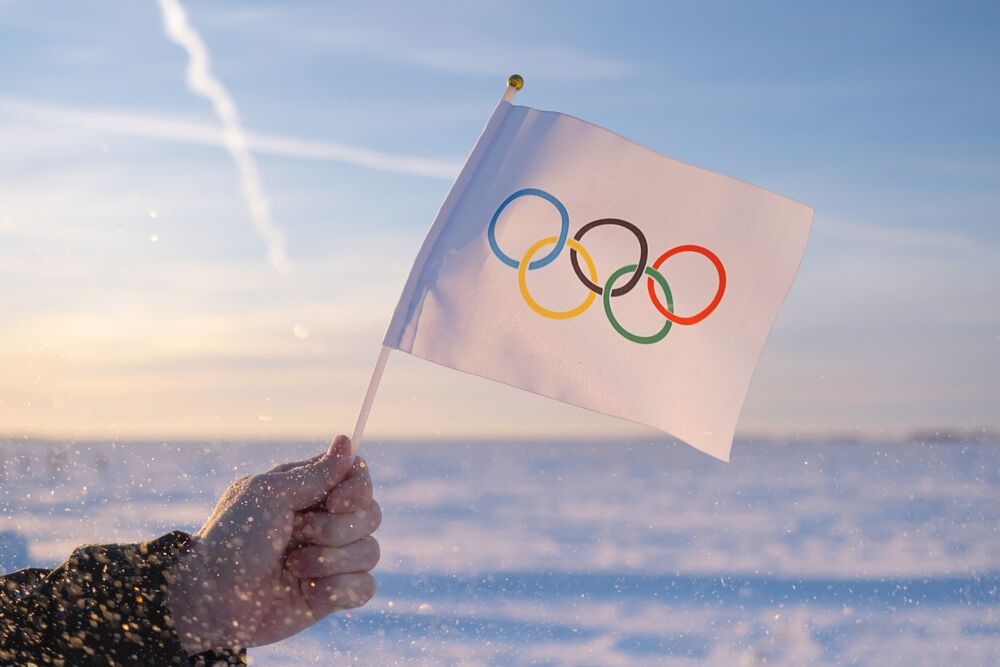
column 589, row 278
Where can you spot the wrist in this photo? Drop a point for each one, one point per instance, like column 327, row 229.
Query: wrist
column 188, row 595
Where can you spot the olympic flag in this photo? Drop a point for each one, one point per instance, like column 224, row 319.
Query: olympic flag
column 576, row 264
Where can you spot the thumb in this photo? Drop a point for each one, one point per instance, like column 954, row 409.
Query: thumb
column 305, row 486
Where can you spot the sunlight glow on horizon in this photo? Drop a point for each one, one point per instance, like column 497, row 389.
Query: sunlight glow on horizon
column 120, row 323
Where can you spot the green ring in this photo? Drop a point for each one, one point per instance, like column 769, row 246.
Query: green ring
column 658, row 277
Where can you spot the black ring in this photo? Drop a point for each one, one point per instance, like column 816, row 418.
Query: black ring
column 639, row 267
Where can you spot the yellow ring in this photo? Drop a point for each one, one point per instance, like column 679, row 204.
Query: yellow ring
column 522, row 280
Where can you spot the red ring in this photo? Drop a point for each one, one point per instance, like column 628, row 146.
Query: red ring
column 697, row 317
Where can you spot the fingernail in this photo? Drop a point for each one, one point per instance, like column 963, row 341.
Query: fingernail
column 341, row 446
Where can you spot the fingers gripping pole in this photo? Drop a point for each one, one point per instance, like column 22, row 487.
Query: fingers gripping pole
column 366, row 406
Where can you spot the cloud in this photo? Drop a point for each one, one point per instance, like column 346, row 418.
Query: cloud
column 140, row 124
column 899, row 237
column 202, row 82
column 433, row 37
column 555, row 62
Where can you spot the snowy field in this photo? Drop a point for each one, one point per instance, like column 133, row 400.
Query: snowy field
column 609, row 553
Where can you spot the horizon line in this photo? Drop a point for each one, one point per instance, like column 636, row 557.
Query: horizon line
column 925, row 435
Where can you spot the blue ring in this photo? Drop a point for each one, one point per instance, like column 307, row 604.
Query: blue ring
column 560, row 242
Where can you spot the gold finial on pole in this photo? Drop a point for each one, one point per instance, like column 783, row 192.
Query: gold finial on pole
column 515, row 82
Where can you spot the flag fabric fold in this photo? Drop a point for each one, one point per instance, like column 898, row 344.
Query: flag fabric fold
column 573, row 263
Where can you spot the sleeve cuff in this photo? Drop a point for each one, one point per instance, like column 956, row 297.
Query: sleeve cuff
column 108, row 603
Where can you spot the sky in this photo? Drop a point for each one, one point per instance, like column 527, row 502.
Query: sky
column 163, row 275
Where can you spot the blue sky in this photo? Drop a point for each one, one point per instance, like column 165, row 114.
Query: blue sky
column 138, row 299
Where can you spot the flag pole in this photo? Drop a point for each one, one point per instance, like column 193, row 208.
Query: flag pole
column 366, row 405
column 515, row 82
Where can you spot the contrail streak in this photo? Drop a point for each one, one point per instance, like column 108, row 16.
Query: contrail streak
column 201, row 82
column 137, row 124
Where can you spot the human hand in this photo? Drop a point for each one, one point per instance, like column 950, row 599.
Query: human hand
column 281, row 550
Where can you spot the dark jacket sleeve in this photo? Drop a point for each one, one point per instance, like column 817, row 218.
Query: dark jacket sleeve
column 106, row 605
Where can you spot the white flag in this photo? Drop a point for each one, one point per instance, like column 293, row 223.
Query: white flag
column 576, row 264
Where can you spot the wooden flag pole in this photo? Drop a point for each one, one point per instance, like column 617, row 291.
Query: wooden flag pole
column 514, row 83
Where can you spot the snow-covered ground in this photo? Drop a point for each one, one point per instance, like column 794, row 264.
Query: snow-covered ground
column 596, row 553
